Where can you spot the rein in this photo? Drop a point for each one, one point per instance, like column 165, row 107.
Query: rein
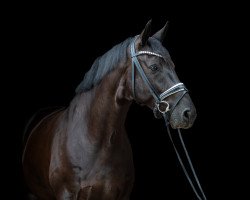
column 159, row 100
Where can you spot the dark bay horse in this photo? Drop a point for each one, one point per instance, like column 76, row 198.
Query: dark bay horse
column 82, row 151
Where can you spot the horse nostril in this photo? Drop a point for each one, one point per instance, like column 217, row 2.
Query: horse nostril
column 186, row 114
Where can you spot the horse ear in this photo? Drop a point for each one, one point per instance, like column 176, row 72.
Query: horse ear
column 160, row 35
column 145, row 33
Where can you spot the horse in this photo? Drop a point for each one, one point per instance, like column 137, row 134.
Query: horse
column 82, row 152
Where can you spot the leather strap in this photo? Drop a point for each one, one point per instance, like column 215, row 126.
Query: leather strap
column 184, row 169
column 136, row 63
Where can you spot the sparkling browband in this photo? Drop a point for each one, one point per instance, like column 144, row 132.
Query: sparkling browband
column 148, row 53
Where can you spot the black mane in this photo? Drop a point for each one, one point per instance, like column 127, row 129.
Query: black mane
column 103, row 65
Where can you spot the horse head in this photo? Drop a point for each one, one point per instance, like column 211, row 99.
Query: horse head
column 152, row 80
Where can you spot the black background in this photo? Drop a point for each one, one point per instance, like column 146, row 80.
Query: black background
column 50, row 47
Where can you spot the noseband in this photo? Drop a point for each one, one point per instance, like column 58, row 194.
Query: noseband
column 160, row 100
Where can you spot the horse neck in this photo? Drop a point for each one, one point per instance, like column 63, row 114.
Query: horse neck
column 98, row 108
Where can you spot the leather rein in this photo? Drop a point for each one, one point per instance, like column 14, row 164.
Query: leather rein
column 160, row 100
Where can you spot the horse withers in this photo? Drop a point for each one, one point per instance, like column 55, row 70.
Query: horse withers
column 82, row 151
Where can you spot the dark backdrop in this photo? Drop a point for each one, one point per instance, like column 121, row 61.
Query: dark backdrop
column 50, row 47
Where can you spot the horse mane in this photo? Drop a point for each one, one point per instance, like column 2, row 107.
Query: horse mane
column 103, row 65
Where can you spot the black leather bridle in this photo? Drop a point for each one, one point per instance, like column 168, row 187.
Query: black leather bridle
column 160, row 99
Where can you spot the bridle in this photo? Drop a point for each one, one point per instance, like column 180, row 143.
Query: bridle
column 160, row 100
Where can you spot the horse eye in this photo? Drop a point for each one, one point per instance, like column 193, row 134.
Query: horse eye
column 153, row 67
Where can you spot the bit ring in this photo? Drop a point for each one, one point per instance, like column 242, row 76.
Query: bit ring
column 166, row 109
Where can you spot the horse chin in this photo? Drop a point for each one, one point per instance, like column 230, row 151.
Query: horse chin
column 176, row 123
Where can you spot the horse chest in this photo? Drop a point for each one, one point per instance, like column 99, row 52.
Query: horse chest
column 108, row 183
column 109, row 178
column 111, row 173
column 111, row 166
column 103, row 171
